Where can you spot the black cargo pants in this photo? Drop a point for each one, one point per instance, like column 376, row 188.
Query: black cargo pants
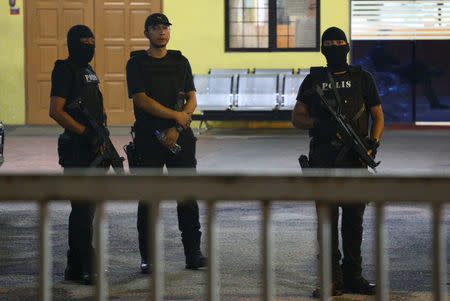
column 74, row 154
column 323, row 155
column 154, row 155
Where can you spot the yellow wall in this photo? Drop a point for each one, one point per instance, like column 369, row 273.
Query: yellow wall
column 198, row 30
column 12, row 62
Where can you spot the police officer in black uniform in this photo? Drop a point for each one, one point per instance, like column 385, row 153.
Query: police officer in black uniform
column 155, row 78
column 360, row 100
column 74, row 79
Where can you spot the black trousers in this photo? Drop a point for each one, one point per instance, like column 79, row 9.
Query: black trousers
column 351, row 231
column 81, row 253
column 323, row 155
column 155, row 155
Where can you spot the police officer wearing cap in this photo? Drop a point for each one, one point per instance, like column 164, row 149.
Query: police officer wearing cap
column 74, row 79
column 156, row 78
column 360, row 100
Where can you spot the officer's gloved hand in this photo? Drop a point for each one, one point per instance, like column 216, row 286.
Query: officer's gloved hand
column 372, row 144
column 324, row 128
column 92, row 138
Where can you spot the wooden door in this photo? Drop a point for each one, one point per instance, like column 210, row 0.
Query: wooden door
column 118, row 27
column 120, row 24
column 47, row 23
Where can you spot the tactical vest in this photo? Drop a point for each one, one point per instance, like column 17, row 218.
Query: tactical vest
column 163, row 81
column 85, row 87
column 352, row 105
column 175, row 73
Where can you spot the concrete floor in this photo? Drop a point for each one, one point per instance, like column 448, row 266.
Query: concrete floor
column 294, row 223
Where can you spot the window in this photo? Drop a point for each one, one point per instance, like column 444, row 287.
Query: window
column 272, row 25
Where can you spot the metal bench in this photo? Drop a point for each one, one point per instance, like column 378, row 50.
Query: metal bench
column 290, row 87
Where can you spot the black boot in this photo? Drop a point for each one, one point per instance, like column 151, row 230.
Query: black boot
column 72, row 274
column 145, row 266
column 73, row 271
column 336, row 290
column 89, row 277
column 194, row 257
column 196, row 260
column 84, row 275
column 359, row 285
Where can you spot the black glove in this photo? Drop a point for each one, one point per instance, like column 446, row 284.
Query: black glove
column 324, row 128
column 92, row 138
column 372, row 144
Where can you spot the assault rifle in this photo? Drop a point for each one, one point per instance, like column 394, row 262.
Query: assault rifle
column 349, row 137
column 110, row 156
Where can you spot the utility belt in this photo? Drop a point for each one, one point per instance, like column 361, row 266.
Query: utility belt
column 329, row 152
column 72, row 151
column 335, row 143
column 146, row 139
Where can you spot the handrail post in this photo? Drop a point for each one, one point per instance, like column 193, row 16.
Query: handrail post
column 44, row 252
column 157, row 283
column 268, row 290
column 439, row 255
column 381, row 262
column 100, row 252
column 324, row 227
column 213, row 291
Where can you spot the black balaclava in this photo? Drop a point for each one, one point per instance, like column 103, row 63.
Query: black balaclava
column 80, row 53
column 336, row 55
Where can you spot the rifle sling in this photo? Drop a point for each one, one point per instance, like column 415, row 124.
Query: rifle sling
column 360, row 112
column 336, row 94
column 338, row 98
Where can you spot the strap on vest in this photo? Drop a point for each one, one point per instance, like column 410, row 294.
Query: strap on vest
column 321, row 73
column 360, row 112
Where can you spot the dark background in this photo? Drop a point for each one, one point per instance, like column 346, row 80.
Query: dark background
column 412, row 76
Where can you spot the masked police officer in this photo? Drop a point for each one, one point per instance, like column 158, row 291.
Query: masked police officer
column 360, row 100
column 156, row 77
column 74, row 79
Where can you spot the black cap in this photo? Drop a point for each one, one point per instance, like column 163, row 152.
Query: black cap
column 156, row 19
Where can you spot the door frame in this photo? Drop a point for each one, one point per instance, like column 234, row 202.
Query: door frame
column 26, row 11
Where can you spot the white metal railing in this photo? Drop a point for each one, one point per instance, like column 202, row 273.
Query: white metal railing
column 324, row 186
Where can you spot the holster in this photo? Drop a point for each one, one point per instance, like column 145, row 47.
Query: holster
column 304, row 161
column 134, row 160
column 72, row 152
column 66, row 150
